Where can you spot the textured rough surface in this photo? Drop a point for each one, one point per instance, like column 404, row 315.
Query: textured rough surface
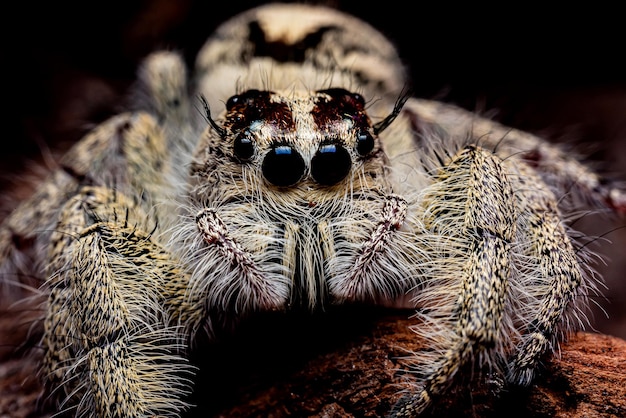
column 358, row 379
column 288, row 369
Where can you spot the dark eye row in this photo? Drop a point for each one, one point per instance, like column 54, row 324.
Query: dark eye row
column 243, row 146
column 284, row 166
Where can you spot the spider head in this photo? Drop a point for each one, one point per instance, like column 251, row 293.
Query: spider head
column 311, row 139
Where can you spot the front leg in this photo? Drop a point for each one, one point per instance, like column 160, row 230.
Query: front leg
column 110, row 348
column 469, row 225
column 559, row 279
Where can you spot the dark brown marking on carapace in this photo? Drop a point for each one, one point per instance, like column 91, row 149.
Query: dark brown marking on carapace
column 342, row 105
column 256, row 105
column 281, row 51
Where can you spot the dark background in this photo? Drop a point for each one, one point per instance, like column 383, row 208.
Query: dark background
column 558, row 72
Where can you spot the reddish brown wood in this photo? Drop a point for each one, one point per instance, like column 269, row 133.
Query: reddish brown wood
column 289, row 370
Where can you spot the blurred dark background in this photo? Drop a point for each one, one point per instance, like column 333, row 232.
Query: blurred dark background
column 559, row 73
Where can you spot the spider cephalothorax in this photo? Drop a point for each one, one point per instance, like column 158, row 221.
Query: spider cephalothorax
column 317, row 183
column 294, row 173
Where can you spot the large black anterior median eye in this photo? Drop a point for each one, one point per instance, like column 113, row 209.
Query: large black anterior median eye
column 330, row 164
column 283, row 166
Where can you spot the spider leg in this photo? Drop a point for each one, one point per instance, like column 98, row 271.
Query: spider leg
column 112, row 341
column 470, row 212
column 557, row 166
column 555, row 277
column 110, row 348
column 163, row 82
column 127, row 152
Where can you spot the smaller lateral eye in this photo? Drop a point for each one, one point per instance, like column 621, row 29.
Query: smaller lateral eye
column 364, row 143
column 243, row 146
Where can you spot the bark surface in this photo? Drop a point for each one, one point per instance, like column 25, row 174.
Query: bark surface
column 336, row 366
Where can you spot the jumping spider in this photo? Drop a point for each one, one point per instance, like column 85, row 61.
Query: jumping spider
column 316, row 181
